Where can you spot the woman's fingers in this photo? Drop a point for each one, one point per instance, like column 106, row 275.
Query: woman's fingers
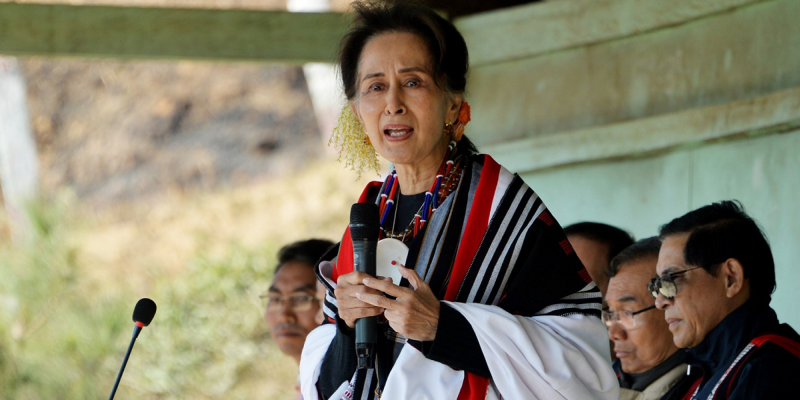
column 350, row 307
column 412, row 277
column 385, row 286
column 377, row 300
column 353, row 278
column 414, row 313
column 356, row 313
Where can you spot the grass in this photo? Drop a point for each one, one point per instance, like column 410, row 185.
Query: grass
column 66, row 296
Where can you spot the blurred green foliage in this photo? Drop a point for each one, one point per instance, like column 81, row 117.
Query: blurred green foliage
column 64, row 338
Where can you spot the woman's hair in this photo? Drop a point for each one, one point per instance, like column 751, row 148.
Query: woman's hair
column 446, row 46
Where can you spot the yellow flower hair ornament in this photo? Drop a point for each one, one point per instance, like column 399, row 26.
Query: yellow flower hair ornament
column 353, row 144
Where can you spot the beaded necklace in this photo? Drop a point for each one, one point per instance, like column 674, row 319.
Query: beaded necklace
column 446, row 181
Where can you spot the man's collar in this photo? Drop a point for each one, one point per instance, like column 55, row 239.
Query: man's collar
column 641, row 381
column 731, row 335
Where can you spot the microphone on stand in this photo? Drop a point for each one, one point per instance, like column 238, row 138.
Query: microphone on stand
column 143, row 314
column 364, row 230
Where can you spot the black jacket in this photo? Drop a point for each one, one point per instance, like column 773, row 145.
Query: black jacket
column 768, row 373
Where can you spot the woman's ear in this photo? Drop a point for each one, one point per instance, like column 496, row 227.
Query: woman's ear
column 453, row 106
column 733, row 272
column 355, row 111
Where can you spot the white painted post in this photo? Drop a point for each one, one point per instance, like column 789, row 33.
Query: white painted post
column 19, row 165
column 323, row 83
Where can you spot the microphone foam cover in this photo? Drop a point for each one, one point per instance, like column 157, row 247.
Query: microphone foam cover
column 144, row 311
column 364, row 221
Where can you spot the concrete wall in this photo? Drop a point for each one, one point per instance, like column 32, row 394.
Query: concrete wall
column 641, row 194
column 633, row 113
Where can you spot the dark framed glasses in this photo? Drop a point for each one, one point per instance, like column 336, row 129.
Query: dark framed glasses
column 625, row 318
column 665, row 284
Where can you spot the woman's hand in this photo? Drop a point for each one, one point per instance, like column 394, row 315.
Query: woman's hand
column 414, row 313
column 348, row 288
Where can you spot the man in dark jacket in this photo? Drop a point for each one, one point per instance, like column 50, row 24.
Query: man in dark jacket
column 715, row 279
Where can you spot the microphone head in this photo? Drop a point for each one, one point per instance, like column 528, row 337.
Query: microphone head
column 364, row 221
column 144, row 311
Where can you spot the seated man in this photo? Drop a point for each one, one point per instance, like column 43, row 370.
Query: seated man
column 292, row 303
column 596, row 244
column 649, row 365
column 715, row 279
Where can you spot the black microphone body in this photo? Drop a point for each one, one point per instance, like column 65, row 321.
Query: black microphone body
column 366, row 328
column 143, row 314
column 136, row 330
column 364, row 230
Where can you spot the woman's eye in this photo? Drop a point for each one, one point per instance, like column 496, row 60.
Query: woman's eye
column 412, row 83
column 375, row 87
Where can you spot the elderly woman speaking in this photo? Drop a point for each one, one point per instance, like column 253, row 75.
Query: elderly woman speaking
column 493, row 302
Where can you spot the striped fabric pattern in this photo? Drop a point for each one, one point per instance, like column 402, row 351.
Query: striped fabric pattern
column 492, row 241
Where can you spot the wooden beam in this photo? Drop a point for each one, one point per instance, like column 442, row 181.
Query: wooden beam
column 774, row 113
column 169, row 33
column 530, row 30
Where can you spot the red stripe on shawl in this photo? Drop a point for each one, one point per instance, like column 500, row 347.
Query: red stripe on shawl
column 477, row 222
column 584, row 274
column 545, row 217
column 344, row 261
column 565, row 244
column 474, row 386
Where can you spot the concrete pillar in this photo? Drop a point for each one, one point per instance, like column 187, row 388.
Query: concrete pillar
column 323, row 80
column 19, row 165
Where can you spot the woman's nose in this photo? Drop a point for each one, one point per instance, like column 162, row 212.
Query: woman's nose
column 394, row 102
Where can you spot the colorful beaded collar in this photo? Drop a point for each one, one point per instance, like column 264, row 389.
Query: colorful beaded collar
column 446, row 181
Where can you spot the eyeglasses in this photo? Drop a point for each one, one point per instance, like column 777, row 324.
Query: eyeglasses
column 625, row 318
column 297, row 302
column 665, row 284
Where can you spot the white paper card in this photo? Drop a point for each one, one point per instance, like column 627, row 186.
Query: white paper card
column 390, row 250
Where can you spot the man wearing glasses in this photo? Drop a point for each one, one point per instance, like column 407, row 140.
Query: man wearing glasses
column 715, row 278
column 291, row 301
column 649, row 365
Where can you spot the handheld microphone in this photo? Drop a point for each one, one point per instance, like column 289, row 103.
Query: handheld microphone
column 143, row 314
column 364, row 230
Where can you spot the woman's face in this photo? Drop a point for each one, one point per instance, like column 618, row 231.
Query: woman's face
column 398, row 102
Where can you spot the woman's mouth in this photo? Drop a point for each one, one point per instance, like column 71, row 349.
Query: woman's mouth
column 397, row 131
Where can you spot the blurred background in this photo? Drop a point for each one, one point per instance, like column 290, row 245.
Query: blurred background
column 168, row 148
column 172, row 179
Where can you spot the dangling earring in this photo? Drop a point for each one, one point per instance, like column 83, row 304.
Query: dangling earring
column 448, row 128
column 353, row 143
